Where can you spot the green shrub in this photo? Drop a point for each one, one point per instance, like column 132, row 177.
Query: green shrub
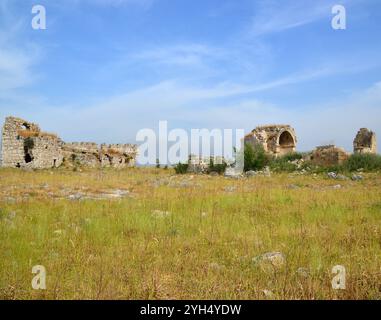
column 291, row 156
column 368, row 162
column 280, row 164
column 255, row 157
column 181, row 168
column 283, row 163
column 219, row 168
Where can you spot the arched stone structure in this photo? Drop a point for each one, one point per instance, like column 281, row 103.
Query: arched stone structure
column 276, row 140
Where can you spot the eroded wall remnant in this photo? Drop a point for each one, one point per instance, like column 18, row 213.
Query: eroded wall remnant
column 276, row 140
column 328, row 155
column 365, row 141
column 24, row 145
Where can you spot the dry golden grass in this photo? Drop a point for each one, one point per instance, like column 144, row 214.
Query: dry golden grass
column 113, row 152
column 28, row 133
column 202, row 249
column 32, row 134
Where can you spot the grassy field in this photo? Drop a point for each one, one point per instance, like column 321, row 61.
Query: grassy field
column 150, row 234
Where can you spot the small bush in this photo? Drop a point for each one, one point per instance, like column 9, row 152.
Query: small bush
column 292, row 156
column 368, row 162
column 284, row 163
column 219, row 168
column 255, row 157
column 181, row 168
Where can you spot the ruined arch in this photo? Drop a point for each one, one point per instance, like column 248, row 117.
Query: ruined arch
column 286, row 142
column 276, row 139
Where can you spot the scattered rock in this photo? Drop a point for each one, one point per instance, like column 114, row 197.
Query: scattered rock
column 332, row 175
column 338, row 186
column 74, row 197
column 357, row 177
column 230, row 189
column 113, row 194
column 303, row 272
column 265, row 172
column 232, row 173
column 251, row 173
column 160, row 214
column 268, row 293
column 270, row 260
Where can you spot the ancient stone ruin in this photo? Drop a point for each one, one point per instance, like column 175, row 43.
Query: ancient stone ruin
column 197, row 164
column 24, row 145
column 328, row 155
column 276, row 140
column 365, row 142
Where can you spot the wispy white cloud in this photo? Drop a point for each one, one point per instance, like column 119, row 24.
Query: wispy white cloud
column 146, row 4
column 17, row 57
column 179, row 55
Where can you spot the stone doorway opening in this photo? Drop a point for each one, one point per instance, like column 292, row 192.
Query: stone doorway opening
column 286, row 142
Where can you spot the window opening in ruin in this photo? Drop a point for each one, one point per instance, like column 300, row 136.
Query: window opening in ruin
column 25, row 126
column 28, row 146
column 54, row 163
column 286, row 140
column 18, row 165
column 28, row 158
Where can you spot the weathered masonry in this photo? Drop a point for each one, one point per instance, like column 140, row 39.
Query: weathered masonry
column 276, row 140
column 365, row 142
column 328, row 155
column 24, row 145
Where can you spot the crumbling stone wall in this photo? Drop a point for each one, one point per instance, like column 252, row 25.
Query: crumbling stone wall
column 276, row 140
column 365, row 142
column 24, row 145
column 328, row 155
column 118, row 155
column 197, row 164
column 81, row 154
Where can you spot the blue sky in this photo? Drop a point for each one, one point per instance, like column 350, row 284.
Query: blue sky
column 103, row 69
